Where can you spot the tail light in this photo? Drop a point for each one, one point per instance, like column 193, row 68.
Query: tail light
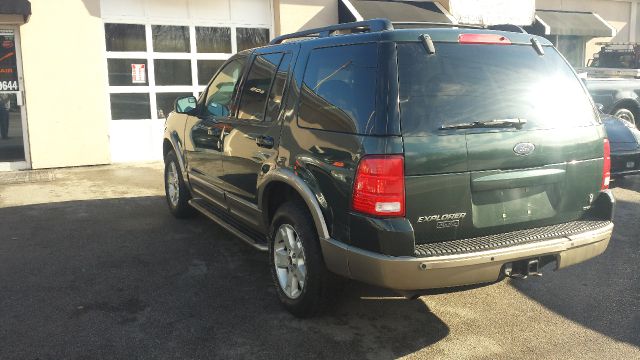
column 606, row 168
column 379, row 186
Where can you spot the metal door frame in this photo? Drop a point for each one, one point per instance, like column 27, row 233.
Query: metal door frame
column 21, row 100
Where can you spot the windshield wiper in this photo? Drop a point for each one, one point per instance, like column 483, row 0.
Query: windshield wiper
column 496, row 123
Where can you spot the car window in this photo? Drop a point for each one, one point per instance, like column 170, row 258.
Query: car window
column 339, row 88
column 277, row 89
column 220, row 92
column 256, row 88
column 468, row 83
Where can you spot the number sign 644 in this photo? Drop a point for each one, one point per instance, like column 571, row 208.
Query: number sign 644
column 9, row 85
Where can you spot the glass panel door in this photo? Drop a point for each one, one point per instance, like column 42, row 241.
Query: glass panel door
column 11, row 132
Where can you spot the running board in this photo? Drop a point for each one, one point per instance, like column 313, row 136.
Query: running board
column 244, row 237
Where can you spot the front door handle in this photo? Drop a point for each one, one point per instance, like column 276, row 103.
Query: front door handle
column 264, row 141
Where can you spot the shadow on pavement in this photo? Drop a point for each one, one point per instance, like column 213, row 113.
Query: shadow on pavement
column 121, row 278
column 628, row 182
column 603, row 293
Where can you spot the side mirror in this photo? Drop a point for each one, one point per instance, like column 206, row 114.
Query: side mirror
column 600, row 108
column 186, row 105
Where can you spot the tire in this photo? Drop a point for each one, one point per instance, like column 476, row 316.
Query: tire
column 301, row 258
column 176, row 191
column 625, row 114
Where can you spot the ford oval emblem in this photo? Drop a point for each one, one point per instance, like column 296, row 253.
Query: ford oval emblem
column 524, row 149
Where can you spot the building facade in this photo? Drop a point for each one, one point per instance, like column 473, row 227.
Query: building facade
column 88, row 82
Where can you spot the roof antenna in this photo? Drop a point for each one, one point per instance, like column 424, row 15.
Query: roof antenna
column 428, row 44
column 537, row 46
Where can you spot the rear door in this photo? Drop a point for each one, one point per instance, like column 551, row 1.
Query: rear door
column 465, row 179
column 250, row 140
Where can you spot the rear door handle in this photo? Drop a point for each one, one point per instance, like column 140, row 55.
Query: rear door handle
column 264, row 141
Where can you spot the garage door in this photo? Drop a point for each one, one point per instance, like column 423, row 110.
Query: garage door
column 157, row 50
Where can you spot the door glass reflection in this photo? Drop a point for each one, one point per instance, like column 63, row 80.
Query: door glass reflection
column 11, row 143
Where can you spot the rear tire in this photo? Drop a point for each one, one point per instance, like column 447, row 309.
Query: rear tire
column 625, row 114
column 304, row 285
column 176, row 191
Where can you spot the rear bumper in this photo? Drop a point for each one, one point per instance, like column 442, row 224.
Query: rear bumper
column 620, row 162
column 417, row 273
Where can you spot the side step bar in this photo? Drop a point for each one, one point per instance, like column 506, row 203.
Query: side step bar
column 244, row 237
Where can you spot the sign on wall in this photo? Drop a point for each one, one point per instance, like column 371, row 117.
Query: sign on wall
column 138, row 74
column 8, row 62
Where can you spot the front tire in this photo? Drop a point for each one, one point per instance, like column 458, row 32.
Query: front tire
column 176, row 191
column 303, row 284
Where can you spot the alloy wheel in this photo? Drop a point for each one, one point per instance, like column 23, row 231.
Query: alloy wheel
column 173, row 184
column 289, row 261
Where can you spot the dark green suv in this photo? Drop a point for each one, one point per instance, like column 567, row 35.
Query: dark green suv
column 416, row 158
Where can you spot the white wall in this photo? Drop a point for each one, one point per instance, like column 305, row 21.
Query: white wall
column 491, row 12
column 65, row 84
column 296, row 15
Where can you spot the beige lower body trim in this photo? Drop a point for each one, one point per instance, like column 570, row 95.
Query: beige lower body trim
column 412, row 273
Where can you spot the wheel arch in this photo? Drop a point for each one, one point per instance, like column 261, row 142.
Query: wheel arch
column 169, row 143
column 282, row 180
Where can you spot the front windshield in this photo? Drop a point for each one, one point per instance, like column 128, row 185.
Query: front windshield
column 469, row 83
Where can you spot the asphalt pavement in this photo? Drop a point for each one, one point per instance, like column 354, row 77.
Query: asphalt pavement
column 93, row 266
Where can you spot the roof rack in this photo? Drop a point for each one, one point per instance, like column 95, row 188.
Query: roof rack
column 373, row 25
column 428, row 23
column 508, row 27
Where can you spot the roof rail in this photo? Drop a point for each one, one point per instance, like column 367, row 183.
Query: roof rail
column 373, row 25
column 508, row 27
column 419, row 23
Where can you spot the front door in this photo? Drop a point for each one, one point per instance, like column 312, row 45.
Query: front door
column 13, row 136
column 250, row 144
column 205, row 132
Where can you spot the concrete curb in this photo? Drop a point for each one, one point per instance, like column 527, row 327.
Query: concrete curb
column 46, row 175
column 30, row 176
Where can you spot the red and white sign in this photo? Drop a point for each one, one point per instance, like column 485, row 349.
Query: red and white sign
column 138, row 74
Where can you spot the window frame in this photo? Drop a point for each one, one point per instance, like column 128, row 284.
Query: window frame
column 235, row 95
column 285, row 90
column 193, row 56
column 254, row 56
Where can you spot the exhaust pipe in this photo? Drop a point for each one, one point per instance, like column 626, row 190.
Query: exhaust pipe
column 522, row 269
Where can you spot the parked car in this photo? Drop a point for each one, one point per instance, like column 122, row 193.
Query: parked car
column 624, row 138
column 619, row 97
column 412, row 159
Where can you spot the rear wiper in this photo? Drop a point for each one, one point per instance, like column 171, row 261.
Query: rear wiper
column 496, row 123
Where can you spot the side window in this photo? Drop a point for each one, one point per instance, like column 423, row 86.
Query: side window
column 339, row 89
column 255, row 91
column 277, row 89
column 220, row 92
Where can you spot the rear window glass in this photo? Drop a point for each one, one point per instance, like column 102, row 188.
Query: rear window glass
column 338, row 90
column 467, row 83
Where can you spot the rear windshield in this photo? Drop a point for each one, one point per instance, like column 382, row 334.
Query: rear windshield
column 468, row 83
